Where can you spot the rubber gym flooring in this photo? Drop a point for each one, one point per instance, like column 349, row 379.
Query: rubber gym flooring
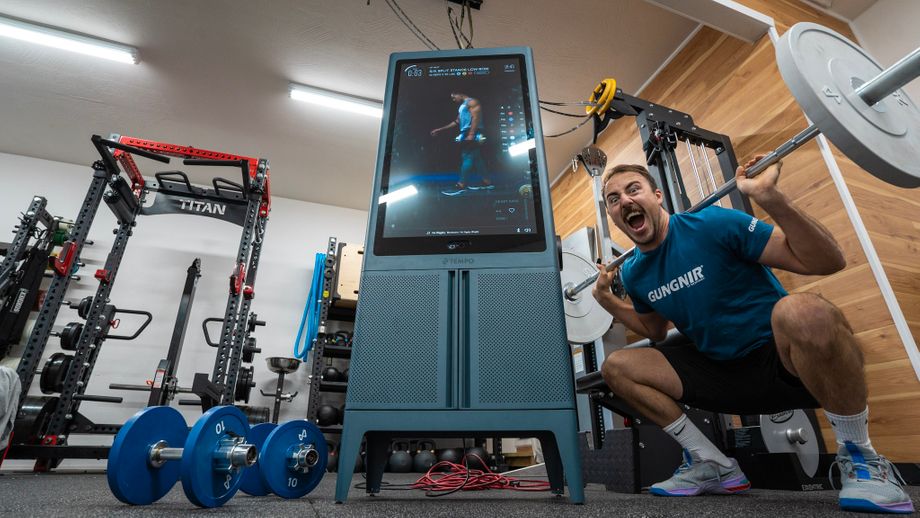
column 87, row 495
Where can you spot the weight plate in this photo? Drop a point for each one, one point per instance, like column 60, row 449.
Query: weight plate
column 780, row 432
column 585, row 319
column 33, row 418
column 277, row 452
column 85, row 305
column 255, row 414
column 131, row 477
column 823, row 69
column 252, row 481
column 206, row 485
column 54, row 372
column 244, row 384
column 70, row 336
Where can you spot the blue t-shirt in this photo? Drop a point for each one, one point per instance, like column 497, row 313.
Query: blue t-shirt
column 466, row 121
column 704, row 277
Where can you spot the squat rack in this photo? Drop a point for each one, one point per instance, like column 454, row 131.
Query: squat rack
column 661, row 128
column 246, row 204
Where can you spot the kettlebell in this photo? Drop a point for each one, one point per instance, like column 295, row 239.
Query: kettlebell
column 424, row 457
column 476, row 463
column 327, row 415
column 332, row 374
column 400, row 460
column 345, row 375
column 342, row 414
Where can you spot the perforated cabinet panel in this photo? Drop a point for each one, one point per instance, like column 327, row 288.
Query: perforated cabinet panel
column 399, row 357
column 519, row 356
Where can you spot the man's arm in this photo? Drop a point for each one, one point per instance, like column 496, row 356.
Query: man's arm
column 476, row 114
column 650, row 325
column 798, row 244
column 455, row 123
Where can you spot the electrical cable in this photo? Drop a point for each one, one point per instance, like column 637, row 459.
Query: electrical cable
column 404, row 18
column 459, row 477
column 450, row 22
column 566, row 132
column 311, row 310
column 456, row 25
column 598, row 103
column 544, row 108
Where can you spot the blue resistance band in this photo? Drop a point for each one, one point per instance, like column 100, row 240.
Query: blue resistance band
column 311, row 310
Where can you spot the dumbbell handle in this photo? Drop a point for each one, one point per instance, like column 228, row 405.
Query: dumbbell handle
column 237, row 455
column 167, row 454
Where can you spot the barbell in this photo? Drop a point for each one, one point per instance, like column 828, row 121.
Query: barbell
column 849, row 98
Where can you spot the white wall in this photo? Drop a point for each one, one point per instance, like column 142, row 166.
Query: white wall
column 888, row 30
column 151, row 278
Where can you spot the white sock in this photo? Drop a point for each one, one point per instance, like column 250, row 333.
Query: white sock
column 853, row 428
column 692, row 439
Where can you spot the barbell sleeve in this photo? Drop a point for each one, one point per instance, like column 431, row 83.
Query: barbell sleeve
column 892, row 78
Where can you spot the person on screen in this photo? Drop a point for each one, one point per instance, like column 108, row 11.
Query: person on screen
column 470, row 139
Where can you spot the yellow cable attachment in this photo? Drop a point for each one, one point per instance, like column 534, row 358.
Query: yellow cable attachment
column 602, row 96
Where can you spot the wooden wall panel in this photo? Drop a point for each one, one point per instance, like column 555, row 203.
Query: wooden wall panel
column 734, row 88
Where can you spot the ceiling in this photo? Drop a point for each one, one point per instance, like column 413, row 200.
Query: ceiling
column 214, row 74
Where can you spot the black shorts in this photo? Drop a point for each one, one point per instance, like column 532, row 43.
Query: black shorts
column 754, row 384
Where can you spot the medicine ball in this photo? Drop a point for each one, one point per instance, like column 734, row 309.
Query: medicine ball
column 327, row 415
column 476, row 463
column 332, row 374
column 449, row 455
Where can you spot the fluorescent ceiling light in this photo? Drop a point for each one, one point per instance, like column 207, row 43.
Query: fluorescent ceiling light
column 522, row 147
column 66, row 41
column 398, row 194
column 337, row 100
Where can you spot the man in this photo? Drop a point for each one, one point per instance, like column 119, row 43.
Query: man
column 757, row 348
column 469, row 120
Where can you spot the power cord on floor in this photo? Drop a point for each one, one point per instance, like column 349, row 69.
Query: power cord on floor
column 445, row 478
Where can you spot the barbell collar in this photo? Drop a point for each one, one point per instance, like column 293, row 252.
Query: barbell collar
column 891, row 79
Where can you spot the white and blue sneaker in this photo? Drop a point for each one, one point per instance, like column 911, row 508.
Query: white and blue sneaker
column 702, row 477
column 454, row 191
column 869, row 482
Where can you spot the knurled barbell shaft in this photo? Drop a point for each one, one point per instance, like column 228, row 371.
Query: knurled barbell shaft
column 877, row 88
